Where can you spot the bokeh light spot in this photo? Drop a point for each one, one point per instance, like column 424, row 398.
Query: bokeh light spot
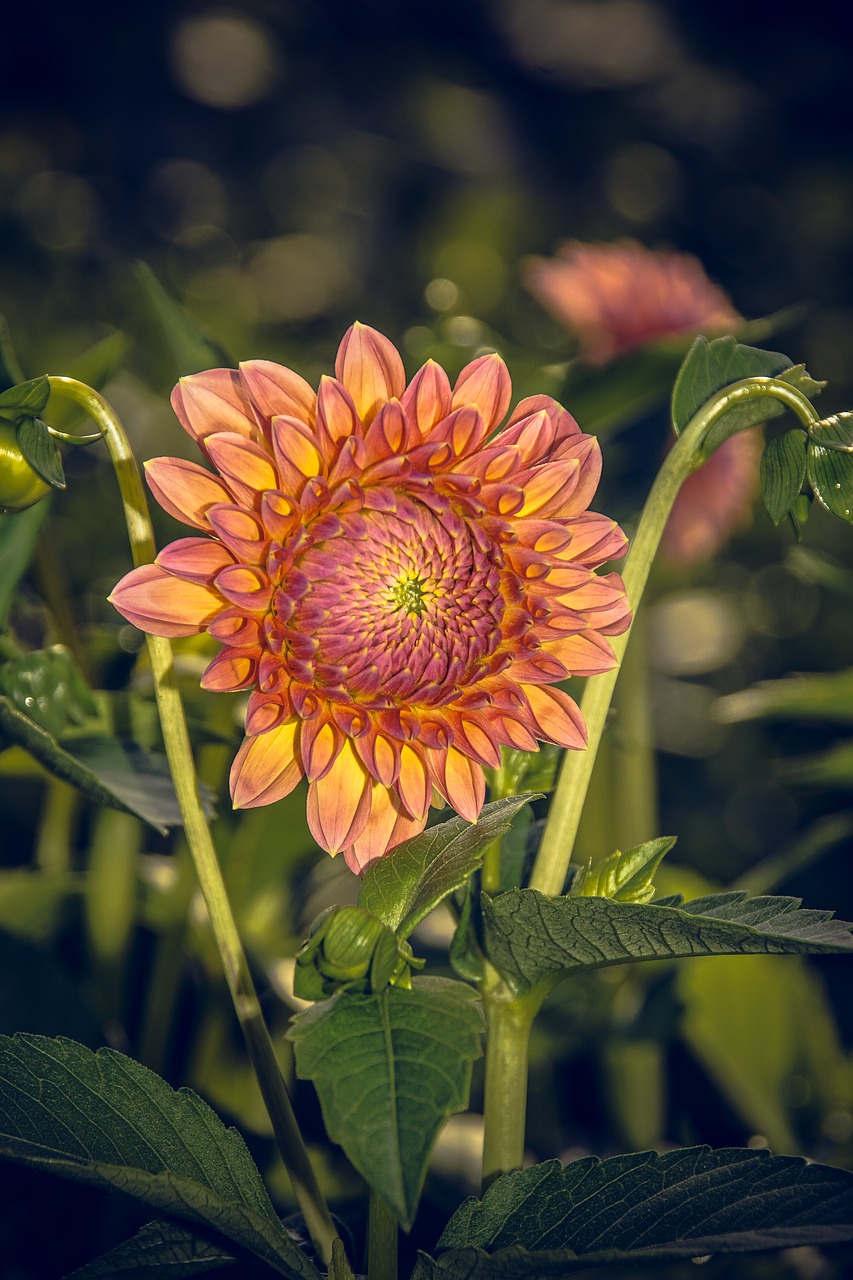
column 224, row 60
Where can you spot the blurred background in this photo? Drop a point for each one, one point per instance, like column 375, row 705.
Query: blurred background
column 280, row 169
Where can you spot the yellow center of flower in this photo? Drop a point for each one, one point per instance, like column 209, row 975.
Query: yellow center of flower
column 412, row 594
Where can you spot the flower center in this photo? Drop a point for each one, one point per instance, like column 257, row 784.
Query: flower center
column 411, row 594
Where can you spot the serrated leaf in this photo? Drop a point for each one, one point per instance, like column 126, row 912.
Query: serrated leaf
column 26, row 400
column 389, row 1069
column 642, row 1208
column 18, row 535
column 407, row 883
column 531, row 938
column 830, row 470
column 164, row 1250
column 191, row 349
column 41, row 452
column 105, row 1120
column 711, row 366
column 107, row 770
column 783, row 470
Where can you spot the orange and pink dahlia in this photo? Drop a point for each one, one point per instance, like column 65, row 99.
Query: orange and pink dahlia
column 399, row 583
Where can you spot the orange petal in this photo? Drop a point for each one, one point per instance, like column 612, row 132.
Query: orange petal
column 549, row 487
column 460, row 780
column 195, row 559
column 241, row 532
column 245, row 466
column 185, row 489
column 295, row 447
column 427, row 397
column 319, row 744
column 214, row 401
column 336, row 411
column 266, row 767
column 155, row 601
column 414, row 784
column 275, row 390
column 587, row 654
column 485, row 384
column 230, row 670
column 339, row 803
column 370, row 368
column 245, row 586
column 557, row 716
column 387, row 826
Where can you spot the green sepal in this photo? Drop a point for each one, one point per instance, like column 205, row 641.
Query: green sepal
column 624, row 877
column 783, row 471
column 350, row 949
column 41, row 451
column 830, row 464
column 26, row 400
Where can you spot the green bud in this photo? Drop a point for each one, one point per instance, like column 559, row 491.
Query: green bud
column 21, row 486
column 624, row 877
column 348, row 948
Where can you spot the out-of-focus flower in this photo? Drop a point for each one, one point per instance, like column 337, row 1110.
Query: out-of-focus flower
column 399, row 587
column 617, row 297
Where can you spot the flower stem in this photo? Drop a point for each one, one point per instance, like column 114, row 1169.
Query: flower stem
column 555, row 852
column 509, row 1018
column 381, row 1241
column 200, row 841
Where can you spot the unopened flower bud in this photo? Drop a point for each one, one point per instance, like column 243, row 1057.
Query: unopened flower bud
column 21, row 486
column 351, row 949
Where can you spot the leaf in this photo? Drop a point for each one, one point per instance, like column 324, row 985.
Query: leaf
column 624, row 877
column 407, row 883
column 813, row 697
column 783, row 470
column 26, row 400
column 41, row 451
column 18, row 535
column 830, row 470
column 190, row 348
column 105, row 1120
column 389, row 1069
column 531, row 938
column 162, row 1250
column 711, row 366
column 830, row 768
column 552, row 1220
column 107, row 770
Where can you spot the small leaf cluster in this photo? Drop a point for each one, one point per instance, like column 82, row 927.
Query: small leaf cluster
column 350, row 949
column 624, row 877
column 823, row 457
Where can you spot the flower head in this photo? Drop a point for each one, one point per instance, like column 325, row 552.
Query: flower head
column 615, row 297
column 399, row 586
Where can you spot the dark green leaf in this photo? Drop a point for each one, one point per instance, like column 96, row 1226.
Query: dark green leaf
column 531, row 938
column 830, row 469
column 26, row 400
column 102, row 1119
column 41, row 452
column 711, row 366
column 389, row 1069
column 339, row 1267
column 783, row 470
column 18, row 535
column 466, row 957
column 404, row 886
column 107, row 770
column 191, row 349
column 553, row 1221
column 162, row 1250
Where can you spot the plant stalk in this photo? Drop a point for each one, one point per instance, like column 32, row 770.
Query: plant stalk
column 555, row 852
column 509, row 1018
column 381, row 1241
column 198, row 835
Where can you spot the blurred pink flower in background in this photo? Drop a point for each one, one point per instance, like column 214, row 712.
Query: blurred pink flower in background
column 615, row 298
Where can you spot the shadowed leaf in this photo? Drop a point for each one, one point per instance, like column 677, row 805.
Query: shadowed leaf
column 166, row 1251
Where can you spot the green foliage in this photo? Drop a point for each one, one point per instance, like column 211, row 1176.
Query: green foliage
column 403, row 887
column 783, row 471
column 531, row 938
column 711, row 366
column 102, row 1119
column 164, row 1250
column 18, row 534
column 46, row 686
column 348, row 949
column 624, row 877
column 41, row 452
column 825, row 696
column 190, row 348
column 830, row 464
column 26, row 400
column 648, row 1207
column 389, row 1069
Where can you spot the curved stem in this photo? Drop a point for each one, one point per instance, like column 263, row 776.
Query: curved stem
column 555, row 852
column 200, row 841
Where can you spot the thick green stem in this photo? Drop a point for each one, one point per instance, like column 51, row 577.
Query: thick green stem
column 555, row 852
column 200, row 841
column 509, row 1019
column 381, row 1241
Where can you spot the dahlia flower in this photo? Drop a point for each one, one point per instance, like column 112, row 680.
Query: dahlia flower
column 399, row 587
column 617, row 297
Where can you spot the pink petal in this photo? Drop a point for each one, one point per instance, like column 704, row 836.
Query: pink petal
column 484, row 384
column 246, row 467
column 427, row 397
column 163, row 605
column 339, row 803
column 230, row 670
column 195, row 559
column 214, row 401
column 387, row 826
column 370, row 368
column 460, row 780
column 185, row 489
column 276, row 390
column 336, row 411
column 557, row 716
